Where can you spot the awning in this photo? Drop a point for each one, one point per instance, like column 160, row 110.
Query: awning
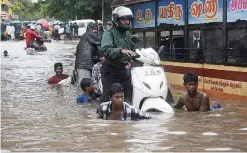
column 116, row 3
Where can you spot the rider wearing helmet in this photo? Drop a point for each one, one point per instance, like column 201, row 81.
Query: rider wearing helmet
column 30, row 36
column 117, row 46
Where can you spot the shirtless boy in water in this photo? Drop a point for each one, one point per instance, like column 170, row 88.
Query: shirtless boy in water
column 193, row 100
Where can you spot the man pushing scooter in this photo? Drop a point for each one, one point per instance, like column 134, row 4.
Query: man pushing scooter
column 116, row 45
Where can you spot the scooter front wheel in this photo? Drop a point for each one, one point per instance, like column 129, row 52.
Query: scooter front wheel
column 169, row 97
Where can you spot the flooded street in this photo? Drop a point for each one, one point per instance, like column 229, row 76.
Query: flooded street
column 36, row 116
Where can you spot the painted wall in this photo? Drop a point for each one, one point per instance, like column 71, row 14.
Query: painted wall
column 205, row 11
column 4, row 2
column 144, row 15
column 6, row 10
column 171, row 12
column 236, row 9
column 199, row 11
column 218, row 80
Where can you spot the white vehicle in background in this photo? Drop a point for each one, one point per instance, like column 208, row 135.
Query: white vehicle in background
column 82, row 26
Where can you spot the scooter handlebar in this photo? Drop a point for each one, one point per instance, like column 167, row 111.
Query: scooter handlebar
column 137, row 56
column 134, row 57
column 126, row 59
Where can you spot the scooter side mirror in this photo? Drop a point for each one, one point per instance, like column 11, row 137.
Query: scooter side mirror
column 157, row 62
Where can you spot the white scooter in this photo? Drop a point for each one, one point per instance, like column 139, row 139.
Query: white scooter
column 150, row 86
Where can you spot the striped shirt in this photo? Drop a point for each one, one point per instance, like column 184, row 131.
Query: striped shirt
column 96, row 76
column 128, row 112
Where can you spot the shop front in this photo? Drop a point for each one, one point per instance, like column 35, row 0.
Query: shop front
column 208, row 37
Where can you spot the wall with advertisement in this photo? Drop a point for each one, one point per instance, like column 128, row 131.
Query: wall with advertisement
column 171, row 12
column 205, row 11
column 144, row 15
column 236, row 9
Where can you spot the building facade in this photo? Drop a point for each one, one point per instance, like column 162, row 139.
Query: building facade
column 204, row 36
column 6, row 11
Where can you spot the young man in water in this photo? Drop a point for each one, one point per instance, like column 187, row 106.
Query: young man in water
column 117, row 109
column 58, row 68
column 193, row 100
column 88, row 88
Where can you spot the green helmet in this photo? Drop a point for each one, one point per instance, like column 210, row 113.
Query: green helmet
column 122, row 12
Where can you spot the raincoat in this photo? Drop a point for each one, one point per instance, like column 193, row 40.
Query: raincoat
column 86, row 48
column 114, row 68
column 30, row 36
column 113, row 40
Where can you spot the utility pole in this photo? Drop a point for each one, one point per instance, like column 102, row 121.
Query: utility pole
column 103, row 10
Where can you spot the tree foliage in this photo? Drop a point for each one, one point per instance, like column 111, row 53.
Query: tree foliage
column 70, row 9
column 63, row 10
column 27, row 10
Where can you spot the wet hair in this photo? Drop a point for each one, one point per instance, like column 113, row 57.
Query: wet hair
column 101, row 54
column 190, row 77
column 86, row 82
column 5, row 53
column 57, row 65
column 116, row 88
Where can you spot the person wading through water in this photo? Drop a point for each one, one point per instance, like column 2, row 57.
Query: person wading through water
column 84, row 52
column 117, row 47
column 193, row 99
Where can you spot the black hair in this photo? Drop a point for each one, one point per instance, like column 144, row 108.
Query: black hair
column 190, row 77
column 115, row 88
column 101, row 54
column 5, row 52
column 86, row 82
column 57, row 64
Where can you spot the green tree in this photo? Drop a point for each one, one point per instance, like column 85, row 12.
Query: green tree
column 27, row 10
column 63, row 10
column 70, row 9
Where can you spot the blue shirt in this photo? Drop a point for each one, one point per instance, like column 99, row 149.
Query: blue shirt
column 17, row 29
column 67, row 29
column 83, row 98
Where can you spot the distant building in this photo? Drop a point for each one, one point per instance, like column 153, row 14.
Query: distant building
column 6, row 11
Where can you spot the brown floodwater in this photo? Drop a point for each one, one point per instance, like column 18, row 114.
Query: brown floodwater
column 40, row 117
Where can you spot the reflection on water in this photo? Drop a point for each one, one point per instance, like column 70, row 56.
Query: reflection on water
column 39, row 117
column 210, row 133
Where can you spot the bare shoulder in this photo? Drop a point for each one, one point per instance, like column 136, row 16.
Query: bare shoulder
column 203, row 95
column 205, row 105
column 183, row 97
column 180, row 103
